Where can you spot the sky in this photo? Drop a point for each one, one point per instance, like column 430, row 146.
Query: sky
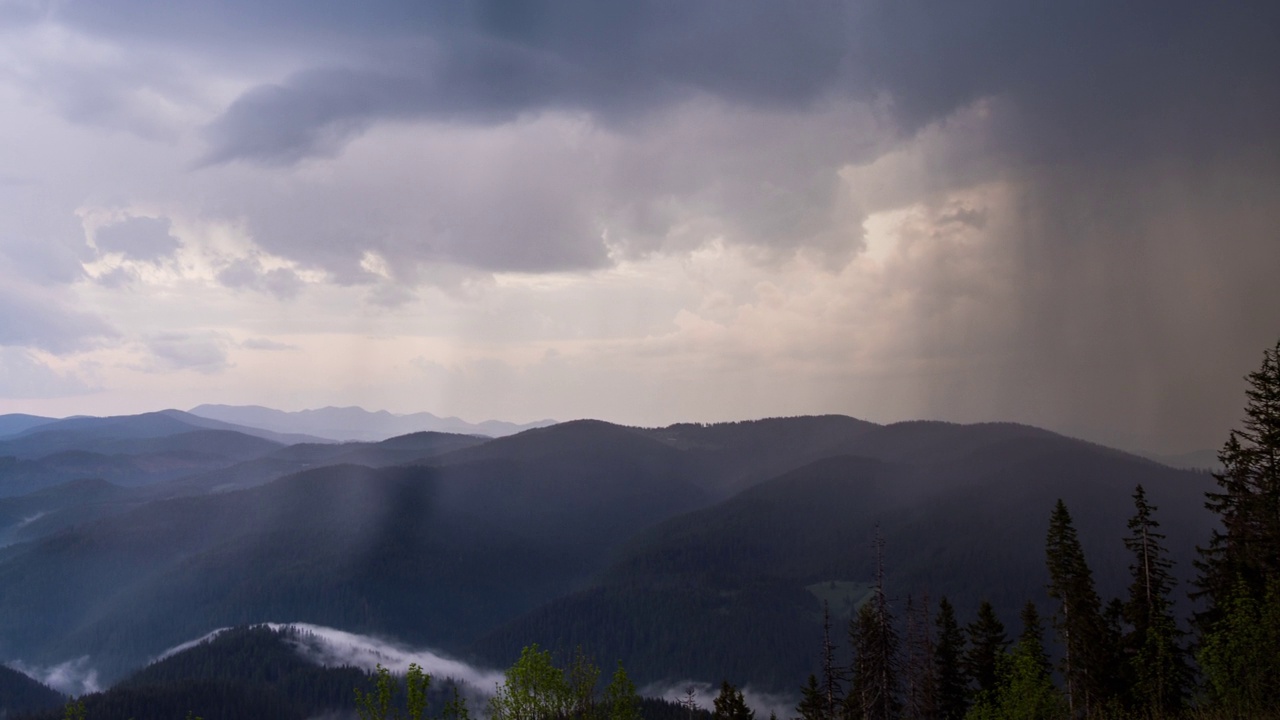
column 1056, row 213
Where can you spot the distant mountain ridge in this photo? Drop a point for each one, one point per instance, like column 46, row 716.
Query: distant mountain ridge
column 355, row 423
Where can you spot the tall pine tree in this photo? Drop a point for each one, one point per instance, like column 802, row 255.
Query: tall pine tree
column 1246, row 550
column 920, row 673
column 947, row 654
column 1157, row 661
column 988, row 645
column 1240, row 569
column 873, row 692
column 730, row 705
column 831, row 689
column 1087, row 660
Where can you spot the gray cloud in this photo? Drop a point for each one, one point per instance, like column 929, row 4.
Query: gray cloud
column 35, row 317
column 25, row 376
column 248, row 273
column 138, row 238
column 1127, row 292
column 266, row 344
column 502, row 60
column 73, row 677
column 204, row 353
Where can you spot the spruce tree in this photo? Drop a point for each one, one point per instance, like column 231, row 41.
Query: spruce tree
column 1240, row 569
column 987, row 648
column 831, row 689
column 1158, row 668
column 621, row 701
column 1027, row 690
column 730, row 705
column 1246, row 550
column 1239, row 655
column 1031, row 640
column 873, row 692
column 813, row 704
column 920, row 670
column 947, row 654
column 1086, row 659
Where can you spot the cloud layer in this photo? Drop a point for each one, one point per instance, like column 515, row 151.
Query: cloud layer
column 1061, row 213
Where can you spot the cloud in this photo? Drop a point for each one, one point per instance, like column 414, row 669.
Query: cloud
column 202, row 352
column 337, row 648
column 704, row 694
column 36, row 317
column 138, row 238
column 266, row 344
column 24, row 375
column 1070, row 208
column 73, row 677
column 249, row 272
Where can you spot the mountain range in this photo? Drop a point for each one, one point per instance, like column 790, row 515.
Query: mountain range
column 353, row 423
column 689, row 551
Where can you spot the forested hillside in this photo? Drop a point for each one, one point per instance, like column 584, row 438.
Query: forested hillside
column 689, row 553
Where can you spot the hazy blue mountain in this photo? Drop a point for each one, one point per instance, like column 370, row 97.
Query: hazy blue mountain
column 43, row 459
column 416, row 448
column 1204, row 460
column 353, row 423
column 130, row 450
column 14, row 423
column 40, row 513
column 110, row 435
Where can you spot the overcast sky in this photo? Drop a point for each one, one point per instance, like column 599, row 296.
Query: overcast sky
column 1059, row 213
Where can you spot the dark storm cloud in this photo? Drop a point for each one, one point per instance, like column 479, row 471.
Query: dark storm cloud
column 1138, row 139
column 617, row 62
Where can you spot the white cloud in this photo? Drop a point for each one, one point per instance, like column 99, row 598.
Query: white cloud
column 73, row 677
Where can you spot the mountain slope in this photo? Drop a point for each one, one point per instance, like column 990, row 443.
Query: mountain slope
column 40, row 513
column 966, row 519
column 14, row 423
column 429, row 555
column 19, row 693
column 413, row 449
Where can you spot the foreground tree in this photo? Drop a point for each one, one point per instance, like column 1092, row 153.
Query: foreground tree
column 380, row 704
column 987, row 647
column 1024, row 691
column 873, row 691
column 1246, row 550
column 1239, row 572
column 920, row 671
column 813, row 704
column 1086, row 653
column 1157, row 663
column 620, row 698
column 534, row 689
column 947, row 654
column 830, row 671
column 1240, row 656
column 730, row 705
